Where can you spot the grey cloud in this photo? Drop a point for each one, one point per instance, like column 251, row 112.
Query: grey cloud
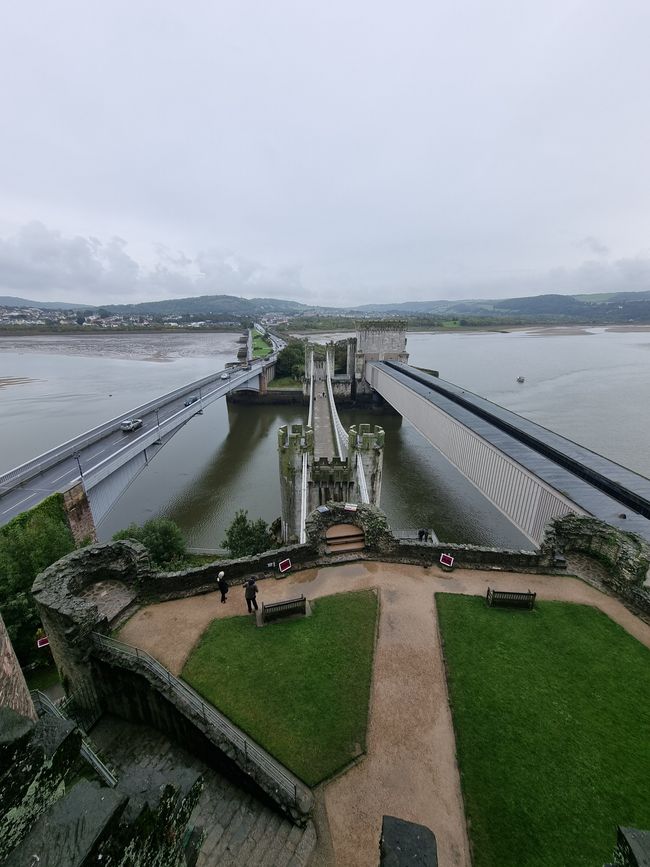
column 594, row 245
column 43, row 264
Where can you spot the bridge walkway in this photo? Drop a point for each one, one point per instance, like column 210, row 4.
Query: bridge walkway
column 324, row 445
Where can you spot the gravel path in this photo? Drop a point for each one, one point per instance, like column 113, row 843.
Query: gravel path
column 410, row 769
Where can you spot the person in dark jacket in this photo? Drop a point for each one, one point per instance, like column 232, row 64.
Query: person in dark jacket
column 223, row 586
column 250, row 593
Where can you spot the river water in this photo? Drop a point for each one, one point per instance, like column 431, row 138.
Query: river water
column 591, row 385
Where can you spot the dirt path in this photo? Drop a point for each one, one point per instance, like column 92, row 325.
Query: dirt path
column 410, row 769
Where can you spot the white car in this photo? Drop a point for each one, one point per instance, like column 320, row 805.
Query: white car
column 225, row 376
column 130, row 424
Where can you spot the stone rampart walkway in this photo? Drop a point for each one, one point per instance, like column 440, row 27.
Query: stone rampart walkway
column 410, row 769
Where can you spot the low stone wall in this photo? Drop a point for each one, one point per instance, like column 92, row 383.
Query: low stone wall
column 625, row 556
column 470, row 557
column 161, row 586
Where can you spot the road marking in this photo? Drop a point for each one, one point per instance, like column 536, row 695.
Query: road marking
column 18, row 503
column 67, row 472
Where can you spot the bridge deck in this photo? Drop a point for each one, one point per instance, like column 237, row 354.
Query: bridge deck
column 473, row 412
column 324, row 446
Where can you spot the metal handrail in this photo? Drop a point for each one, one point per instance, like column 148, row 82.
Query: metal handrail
column 303, row 500
column 43, row 705
column 340, row 435
column 311, row 390
column 252, row 752
column 361, row 478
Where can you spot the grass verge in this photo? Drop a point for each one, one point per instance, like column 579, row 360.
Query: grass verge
column 552, row 724
column 285, row 382
column 299, row 688
column 261, row 346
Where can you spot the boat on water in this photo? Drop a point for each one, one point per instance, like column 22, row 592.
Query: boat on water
column 520, row 379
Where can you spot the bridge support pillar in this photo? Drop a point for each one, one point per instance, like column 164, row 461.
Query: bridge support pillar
column 80, row 517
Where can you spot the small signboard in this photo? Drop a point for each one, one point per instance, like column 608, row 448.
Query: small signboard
column 350, row 507
column 284, row 565
column 447, row 560
column 42, row 642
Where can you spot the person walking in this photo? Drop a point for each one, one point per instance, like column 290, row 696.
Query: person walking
column 222, row 584
column 250, row 593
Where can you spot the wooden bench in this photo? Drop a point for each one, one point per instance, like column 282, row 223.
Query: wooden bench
column 288, row 608
column 510, row 598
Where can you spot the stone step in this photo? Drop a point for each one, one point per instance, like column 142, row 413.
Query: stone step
column 216, row 825
column 305, row 848
column 261, row 847
column 234, row 834
column 259, row 831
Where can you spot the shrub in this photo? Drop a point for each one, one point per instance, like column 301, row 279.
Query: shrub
column 29, row 543
column 244, row 537
column 162, row 538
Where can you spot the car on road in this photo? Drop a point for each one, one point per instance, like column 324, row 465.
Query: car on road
column 190, row 401
column 130, row 424
column 225, row 376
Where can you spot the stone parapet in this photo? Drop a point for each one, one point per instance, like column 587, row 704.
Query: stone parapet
column 69, row 617
column 625, row 556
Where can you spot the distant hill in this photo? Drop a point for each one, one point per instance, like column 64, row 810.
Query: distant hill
column 9, row 301
column 206, row 305
column 616, row 307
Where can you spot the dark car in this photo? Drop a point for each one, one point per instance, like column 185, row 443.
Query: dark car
column 190, row 401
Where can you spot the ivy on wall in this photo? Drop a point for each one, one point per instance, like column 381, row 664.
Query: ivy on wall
column 29, row 543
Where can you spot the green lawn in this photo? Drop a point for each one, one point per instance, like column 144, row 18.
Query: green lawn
column 261, row 347
column 299, row 688
column 552, row 716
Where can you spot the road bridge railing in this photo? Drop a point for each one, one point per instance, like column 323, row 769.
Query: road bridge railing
column 272, row 776
column 24, row 472
column 136, row 445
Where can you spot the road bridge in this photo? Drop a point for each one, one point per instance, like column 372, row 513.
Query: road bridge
column 105, row 460
column 530, row 473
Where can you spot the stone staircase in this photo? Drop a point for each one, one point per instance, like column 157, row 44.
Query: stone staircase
column 240, row 830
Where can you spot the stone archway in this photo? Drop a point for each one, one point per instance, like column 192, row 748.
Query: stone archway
column 344, row 537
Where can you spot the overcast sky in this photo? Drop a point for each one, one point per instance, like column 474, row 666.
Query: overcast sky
column 339, row 152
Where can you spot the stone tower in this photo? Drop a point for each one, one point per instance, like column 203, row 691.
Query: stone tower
column 368, row 444
column 379, row 340
column 328, row 480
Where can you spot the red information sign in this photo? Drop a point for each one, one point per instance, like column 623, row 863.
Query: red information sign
column 447, row 560
column 284, row 565
column 42, row 642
